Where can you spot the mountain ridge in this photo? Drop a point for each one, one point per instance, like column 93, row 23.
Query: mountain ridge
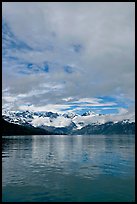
column 15, row 129
column 71, row 123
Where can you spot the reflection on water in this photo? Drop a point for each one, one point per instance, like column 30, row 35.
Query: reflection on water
column 68, row 168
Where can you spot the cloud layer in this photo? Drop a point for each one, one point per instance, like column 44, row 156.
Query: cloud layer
column 56, row 51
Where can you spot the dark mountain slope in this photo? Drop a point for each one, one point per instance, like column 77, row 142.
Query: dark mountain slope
column 108, row 129
column 15, row 129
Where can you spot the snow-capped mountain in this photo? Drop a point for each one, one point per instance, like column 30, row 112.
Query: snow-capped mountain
column 91, row 113
column 70, row 115
column 67, row 120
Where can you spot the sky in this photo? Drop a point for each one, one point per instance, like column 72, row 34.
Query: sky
column 68, row 56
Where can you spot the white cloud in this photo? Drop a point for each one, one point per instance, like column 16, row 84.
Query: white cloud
column 103, row 66
column 10, row 98
column 50, row 107
column 93, row 102
column 56, row 122
column 67, row 99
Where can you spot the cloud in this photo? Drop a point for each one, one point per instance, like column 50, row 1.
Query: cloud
column 78, row 50
column 60, row 121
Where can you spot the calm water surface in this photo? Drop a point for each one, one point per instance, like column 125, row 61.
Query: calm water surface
column 68, row 168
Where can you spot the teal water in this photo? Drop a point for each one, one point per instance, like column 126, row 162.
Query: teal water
column 88, row 168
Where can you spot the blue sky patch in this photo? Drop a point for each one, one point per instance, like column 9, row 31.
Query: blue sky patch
column 77, row 47
column 30, row 66
column 46, row 67
column 68, row 69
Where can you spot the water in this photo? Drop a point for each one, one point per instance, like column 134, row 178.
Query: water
column 68, row 168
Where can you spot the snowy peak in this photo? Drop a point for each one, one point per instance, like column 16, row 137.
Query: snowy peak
column 49, row 119
column 91, row 113
column 70, row 115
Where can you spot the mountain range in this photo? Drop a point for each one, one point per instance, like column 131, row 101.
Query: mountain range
column 28, row 122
